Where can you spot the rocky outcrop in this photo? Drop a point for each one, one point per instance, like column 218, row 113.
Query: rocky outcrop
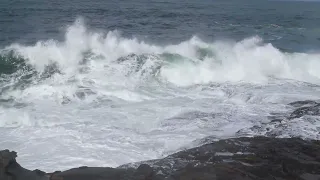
column 259, row 158
column 278, row 124
column 11, row 170
column 299, row 109
column 310, row 108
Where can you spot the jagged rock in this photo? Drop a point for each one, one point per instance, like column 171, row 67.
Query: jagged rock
column 11, row 170
column 301, row 108
column 278, row 124
column 299, row 104
column 244, row 158
column 5, row 158
column 308, row 107
column 259, row 158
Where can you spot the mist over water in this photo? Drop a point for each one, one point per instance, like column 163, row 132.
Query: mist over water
column 98, row 98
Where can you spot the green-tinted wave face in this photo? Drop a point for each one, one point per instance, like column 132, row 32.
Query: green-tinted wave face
column 201, row 54
column 10, row 63
column 204, row 52
column 15, row 73
column 173, row 58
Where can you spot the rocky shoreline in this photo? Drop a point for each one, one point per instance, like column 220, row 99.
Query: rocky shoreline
column 238, row 158
column 244, row 158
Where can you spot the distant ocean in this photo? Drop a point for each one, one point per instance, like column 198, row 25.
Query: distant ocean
column 103, row 83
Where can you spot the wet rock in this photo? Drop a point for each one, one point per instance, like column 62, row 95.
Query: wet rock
column 281, row 124
column 310, row 177
column 310, row 109
column 11, row 170
column 299, row 104
column 300, row 109
column 93, row 173
column 143, row 172
column 5, row 158
column 259, row 158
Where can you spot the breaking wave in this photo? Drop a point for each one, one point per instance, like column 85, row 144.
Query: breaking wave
column 95, row 60
column 129, row 100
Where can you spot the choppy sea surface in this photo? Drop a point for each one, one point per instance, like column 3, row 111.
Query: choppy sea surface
column 103, row 83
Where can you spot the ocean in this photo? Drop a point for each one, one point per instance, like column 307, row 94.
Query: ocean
column 103, row 83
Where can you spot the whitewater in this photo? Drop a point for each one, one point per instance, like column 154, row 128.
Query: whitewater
column 97, row 98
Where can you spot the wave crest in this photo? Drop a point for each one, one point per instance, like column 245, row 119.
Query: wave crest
column 111, row 59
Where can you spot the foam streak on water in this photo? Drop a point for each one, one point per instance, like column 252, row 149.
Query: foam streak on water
column 100, row 99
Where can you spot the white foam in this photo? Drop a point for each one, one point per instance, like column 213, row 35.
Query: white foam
column 108, row 112
column 249, row 60
column 14, row 118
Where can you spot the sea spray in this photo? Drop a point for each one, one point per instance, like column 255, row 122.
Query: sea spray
column 103, row 99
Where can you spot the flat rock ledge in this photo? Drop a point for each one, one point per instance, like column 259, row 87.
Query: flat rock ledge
column 235, row 159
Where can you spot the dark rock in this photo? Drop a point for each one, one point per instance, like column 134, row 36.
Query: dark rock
column 299, row 104
column 308, row 107
column 94, row 173
column 259, row 158
column 279, row 123
column 143, row 172
column 243, row 158
column 5, row 158
column 11, row 170
column 300, row 109
column 310, row 177
column 309, row 110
